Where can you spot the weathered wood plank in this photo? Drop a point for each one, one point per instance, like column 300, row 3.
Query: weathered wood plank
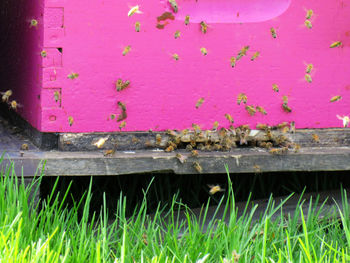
column 242, row 160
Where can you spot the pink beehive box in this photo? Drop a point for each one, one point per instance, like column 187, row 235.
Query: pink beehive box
column 64, row 68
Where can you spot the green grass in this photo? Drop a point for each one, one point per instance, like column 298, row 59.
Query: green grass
column 56, row 233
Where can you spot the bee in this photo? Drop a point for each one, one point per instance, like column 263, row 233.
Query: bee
column 121, row 85
column 309, row 68
column 233, row 61
column 315, row 137
column 199, row 103
column 170, row 148
column 229, row 118
column 174, row 5
column 273, row 32
column 292, row 127
column 275, row 87
column 256, row 54
column 135, row 140
column 144, row 239
column 177, row 34
column 336, row 44
column 70, row 120
column 137, row 26
column 215, row 125
column 257, row 169
column 250, row 109
column 122, row 125
column 217, row 147
column 73, row 75
column 33, row 23
column 279, row 151
column 196, row 128
column 335, row 98
column 122, row 116
column 101, row 142
column 189, row 147
column 56, row 96
column 198, row 167
column 187, row 20
column 308, row 24
column 285, row 99
column 175, row 57
column 204, row 27
column 134, row 10
column 43, row 53
column 24, row 147
column 194, row 153
column 158, row 139
column 14, row 105
column 345, row 120
column 296, row 147
column 181, row 158
column 286, row 108
column 308, row 78
column 261, row 109
column 242, row 98
column 109, row 152
column 204, row 51
column 113, row 116
column 214, row 189
column 242, row 52
column 6, row 95
column 126, row 50
column 282, row 125
column 309, row 13
column 261, row 126
column 235, row 256
column 148, row 144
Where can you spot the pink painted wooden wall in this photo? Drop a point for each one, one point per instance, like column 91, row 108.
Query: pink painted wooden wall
column 88, row 38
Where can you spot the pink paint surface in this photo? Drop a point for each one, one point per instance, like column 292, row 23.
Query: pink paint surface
column 88, row 37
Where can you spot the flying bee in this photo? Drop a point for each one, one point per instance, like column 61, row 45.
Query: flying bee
column 273, row 32
column 70, row 120
column 24, row 147
column 229, row 118
column 261, row 126
column 335, row 98
column 345, row 120
column 336, row 44
column 137, row 26
column 214, row 189
column 73, row 75
column 215, row 125
column 286, row 108
column 315, row 137
column 14, row 105
column 204, row 51
column 175, row 56
column 242, row 52
column 126, row 50
column 56, row 95
column 233, row 61
column 309, row 13
column 122, row 125
column 275, row 88
column 101, row 142
column 308, row 78
column 158, row 139
column 187, row 20
column 204, row 27
column 256, row 54
column 242, row 98
column 181, row 158
column 198, row 167
column 134, row 10
column 194, row 153
column 33, row 23
column 43, row 53
column 308, row 24
column 199, row 103
column 6, row 95
column 250, row 109
column 174, row 5
column 261, row 110
column 177, row 34
column 309, row 68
